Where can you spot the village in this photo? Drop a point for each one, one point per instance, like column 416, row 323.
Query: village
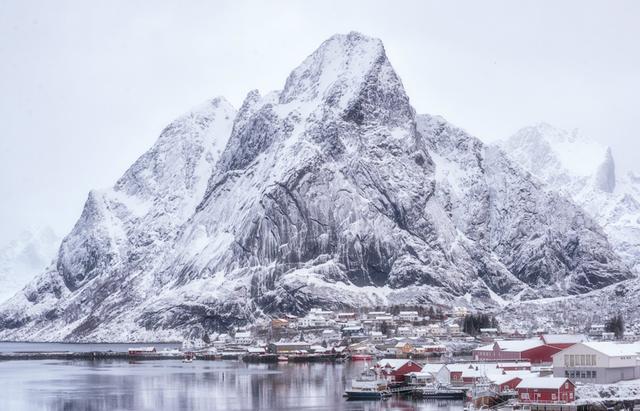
column 438, row 354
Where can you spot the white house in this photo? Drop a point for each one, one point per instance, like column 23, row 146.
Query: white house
column 410, row 316
column 405, row 331
column 243, row 338
column 600, row 362
column 377, row 336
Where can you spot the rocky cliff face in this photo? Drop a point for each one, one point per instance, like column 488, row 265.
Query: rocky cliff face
column 331, row 192
column 584, row 171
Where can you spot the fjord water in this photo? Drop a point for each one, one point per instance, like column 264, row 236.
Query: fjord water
column 171, row 385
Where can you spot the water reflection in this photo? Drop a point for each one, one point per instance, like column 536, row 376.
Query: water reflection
column 172, row 385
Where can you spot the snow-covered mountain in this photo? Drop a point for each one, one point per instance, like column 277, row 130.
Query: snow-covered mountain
column 331, row 192
column 24, row 258
column 585, row 171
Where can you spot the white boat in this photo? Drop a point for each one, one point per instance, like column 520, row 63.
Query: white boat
column 368, row 386
column 188, row 358
column 438, row 391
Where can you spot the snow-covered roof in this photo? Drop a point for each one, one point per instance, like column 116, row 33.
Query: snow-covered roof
column 563, row 338
column 519, row 345
column 500, row 379
column 432, row 368
column 542, row 382
column 513, row 364
column 613, row 349
column 392, row 362
column 143, row 349
column 243, row 334
column 488, row 347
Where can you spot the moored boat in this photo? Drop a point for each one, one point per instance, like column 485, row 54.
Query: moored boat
column 368, row 386
column 441, row 392
column 361, row 357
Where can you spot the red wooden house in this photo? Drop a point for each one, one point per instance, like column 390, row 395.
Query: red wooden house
column 562, row 341
column 532, row 350
column 395, row 370
column 546, row 390
column 505, row 382
column 514, row 366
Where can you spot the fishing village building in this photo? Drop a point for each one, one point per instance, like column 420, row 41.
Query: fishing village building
column 600, row 362
column 546, row 390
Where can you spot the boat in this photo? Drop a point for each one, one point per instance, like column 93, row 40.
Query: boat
column 361, row 357
column 440, row 392
column 368, row 386
column 188, row 358
column 483, row 394
column 282, row 358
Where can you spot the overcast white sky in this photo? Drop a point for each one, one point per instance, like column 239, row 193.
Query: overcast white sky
column 86, row 86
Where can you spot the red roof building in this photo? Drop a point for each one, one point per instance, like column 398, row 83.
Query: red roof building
column 546, row 390
column 562, row 341
column 532, row 350
column 505, row 382
column 395, row 370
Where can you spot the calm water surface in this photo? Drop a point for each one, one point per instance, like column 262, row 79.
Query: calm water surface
column 172, row 385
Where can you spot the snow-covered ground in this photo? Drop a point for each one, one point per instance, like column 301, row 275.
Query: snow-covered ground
column 623, row 390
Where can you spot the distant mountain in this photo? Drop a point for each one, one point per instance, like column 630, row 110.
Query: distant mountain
column 586, row 172
column 331, row 192
column 24, row 258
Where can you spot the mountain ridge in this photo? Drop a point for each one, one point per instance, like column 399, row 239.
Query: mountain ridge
column 331, row 192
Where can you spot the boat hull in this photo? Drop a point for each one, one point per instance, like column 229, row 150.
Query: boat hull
column 359, row 395
column 443, row 395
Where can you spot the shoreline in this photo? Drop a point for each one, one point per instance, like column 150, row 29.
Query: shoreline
column 89, row 343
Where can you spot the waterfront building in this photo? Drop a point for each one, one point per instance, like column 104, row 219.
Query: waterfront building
column 599, row 362
column 546, row 390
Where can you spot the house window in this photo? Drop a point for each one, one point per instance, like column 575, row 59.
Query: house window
column 566, row 385
column 566, row 360
column 524, row 395
column 593, row 360
column 594, row 374
column 582, row 359
column 572, row 361
column 589, row 374
column 554, row 397
column 566, row 374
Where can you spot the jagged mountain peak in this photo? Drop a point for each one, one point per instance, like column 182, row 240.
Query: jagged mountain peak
column 547, row 149
column 340, row 62
column 585, row 171
column 605, row 178
column 331, row 193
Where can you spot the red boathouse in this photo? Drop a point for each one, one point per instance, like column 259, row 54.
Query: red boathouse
column 546, row 390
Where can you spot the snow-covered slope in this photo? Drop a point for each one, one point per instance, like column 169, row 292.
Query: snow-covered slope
column 330, row 192
column 585, row 171
column 24, row 258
